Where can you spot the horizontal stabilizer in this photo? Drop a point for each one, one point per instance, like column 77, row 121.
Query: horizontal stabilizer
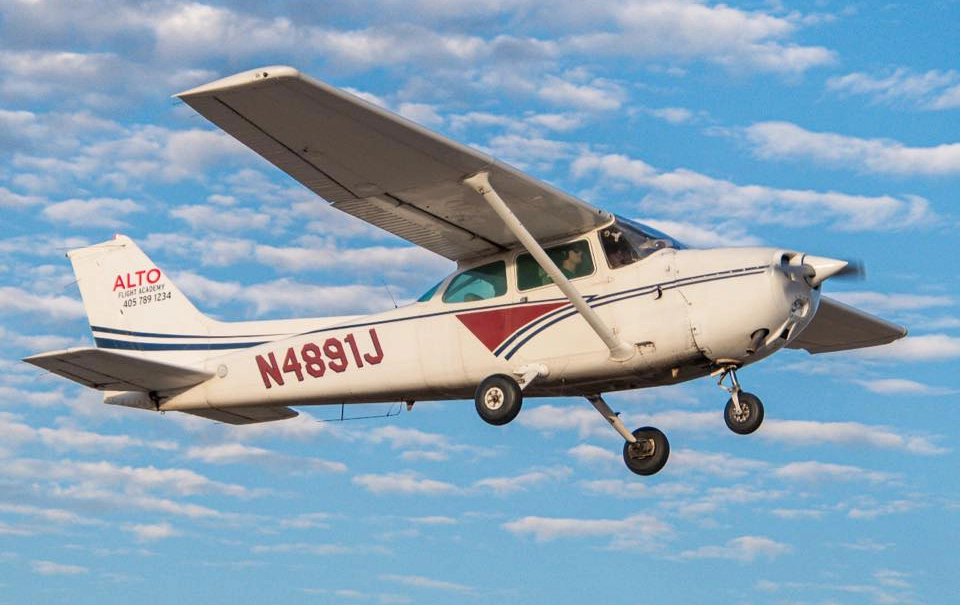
column 840, row 327
column 109, row 371
column 245, row 415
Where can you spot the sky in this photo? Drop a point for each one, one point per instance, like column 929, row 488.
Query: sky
column 829, row 127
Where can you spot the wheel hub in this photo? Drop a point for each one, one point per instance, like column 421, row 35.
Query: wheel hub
column 493, row 398
column 743, row 415
column 643, row 448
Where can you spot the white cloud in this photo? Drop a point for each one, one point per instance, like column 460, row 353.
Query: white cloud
column 737, row 39
column 620, row 488
column 50, row 568
column 424, row 582
column 406, row 482
column 718, row 464
column 9, row 199
column 928, row 347
column 816, row 472
column 783, row 140
column 286, row 295
column 797, row 513
column 50, row 307
column 715, row 235
column 902, row 386
column 151, row 532
column 635, row 531
column 872, row 511
column 238, row 453
column 807, row 432
column 109, row 212
column 596, row 95
column 931, row 90
column 880, row 302
column 684, row 192
column 508, row 485
column 745, row 549
column 590, row 454
column 216, row 218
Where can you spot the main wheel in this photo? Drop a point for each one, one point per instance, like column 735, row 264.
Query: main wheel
column 649, row 453
column 498, row 399
column 750, row 417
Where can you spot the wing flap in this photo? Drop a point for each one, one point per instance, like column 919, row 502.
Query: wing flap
column 356, row 155
column 109, row 371
column 246, row 414
column 840, row 327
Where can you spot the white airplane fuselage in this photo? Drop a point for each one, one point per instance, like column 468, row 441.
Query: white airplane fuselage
column 687, row 312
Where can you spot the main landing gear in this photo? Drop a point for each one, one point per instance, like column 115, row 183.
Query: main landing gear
column 645, row 450
column 744, row 411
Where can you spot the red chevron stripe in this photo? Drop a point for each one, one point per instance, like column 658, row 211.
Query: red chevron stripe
column 493, row 327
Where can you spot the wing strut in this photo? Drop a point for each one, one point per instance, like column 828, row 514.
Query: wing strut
column 619, row 350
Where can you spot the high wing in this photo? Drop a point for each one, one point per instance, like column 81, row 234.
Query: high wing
column 840, row 327
column 382, row 168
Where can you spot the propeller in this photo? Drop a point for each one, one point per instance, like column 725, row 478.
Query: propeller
column 817, row 269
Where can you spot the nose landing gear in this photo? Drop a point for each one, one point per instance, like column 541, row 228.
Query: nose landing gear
column 744, row 411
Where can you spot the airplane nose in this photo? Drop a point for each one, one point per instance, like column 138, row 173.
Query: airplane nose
column 817, row 269
column 820, row 268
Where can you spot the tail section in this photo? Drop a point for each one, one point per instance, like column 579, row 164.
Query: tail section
column 136, row 309
column 126, row 294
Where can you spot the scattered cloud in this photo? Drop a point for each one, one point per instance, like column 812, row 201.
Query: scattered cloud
column 902, row 386
column 786, row 141
column 931, row 90
column 683, row 192
column 926, row 347
column 406, row 482
column 517, row 483
column 50, row 568
column 238, row 453
column 744, row 549
column 151, row 532
column 425, row 582
column 880, row 302
column 816, row 472
column 807, row 432
column 635, row 531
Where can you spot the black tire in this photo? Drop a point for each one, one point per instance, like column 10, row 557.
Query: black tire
column 649, row 454
column 751, row 416
column 498, row 399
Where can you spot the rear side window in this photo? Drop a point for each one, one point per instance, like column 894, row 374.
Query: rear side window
column 479, row 283
column 573, row 259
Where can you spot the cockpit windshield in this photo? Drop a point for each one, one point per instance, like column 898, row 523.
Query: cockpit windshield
column 626, row 242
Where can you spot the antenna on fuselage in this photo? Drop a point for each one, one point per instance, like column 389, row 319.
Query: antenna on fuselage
column 395, row 305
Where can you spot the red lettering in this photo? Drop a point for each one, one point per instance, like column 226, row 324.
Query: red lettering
column 140, row 277
column 313, row 360
column 153, row 276
column 292, row 365
column 335, row 353
column 118, row 283
column 350, row 340
column 374, row 359
column 269, row 370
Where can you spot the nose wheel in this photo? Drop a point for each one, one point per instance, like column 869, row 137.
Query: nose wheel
column 744, row 411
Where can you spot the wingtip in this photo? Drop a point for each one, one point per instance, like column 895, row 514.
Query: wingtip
column 244, row 78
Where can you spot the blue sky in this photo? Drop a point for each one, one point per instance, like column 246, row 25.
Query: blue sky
column 828, row 127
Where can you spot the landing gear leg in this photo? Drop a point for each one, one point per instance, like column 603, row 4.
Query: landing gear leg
column 743, row 413
column 645, row 450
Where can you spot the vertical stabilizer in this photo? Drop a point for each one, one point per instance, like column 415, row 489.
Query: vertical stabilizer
column 128, row 298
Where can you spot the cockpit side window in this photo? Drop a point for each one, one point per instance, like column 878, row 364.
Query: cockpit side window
column 479, row 283
column 625, row 242
column 573, row 259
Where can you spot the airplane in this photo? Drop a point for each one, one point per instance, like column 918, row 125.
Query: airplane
column 551, row 297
